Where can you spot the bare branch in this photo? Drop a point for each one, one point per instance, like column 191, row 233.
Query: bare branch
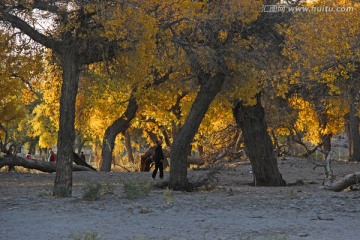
column 30, row 31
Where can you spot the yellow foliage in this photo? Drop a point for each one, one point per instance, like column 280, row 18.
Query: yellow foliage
column 308, row 119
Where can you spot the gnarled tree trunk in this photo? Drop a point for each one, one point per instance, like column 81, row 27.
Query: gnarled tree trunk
column 180, row 146
column 258, row 145
column 119, row 126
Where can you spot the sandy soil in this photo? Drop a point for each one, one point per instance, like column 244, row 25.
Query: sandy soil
column 233, row 210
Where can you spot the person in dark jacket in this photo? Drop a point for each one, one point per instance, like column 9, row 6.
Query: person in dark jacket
column 159, row 160
column 82, row 156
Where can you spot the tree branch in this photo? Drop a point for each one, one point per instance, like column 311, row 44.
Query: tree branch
column 19, row 23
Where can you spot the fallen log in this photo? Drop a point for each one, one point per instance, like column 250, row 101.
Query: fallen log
column 35, row 164
column 79, row 161
column 345, row 182
column 195, row 160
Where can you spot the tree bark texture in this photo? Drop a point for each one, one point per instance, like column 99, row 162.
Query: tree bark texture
column 119, row 126
column 180, row 146
column 258, row 145
column 66, row 135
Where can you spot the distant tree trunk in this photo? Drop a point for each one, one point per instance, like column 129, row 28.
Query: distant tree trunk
column 128, row 147
column 166, row 137
column 327, row 144
column 153, row 137
column 66, row 136
column 239, row 139
column 326, row 138
column 180, row 146
column 119, row 126
column 33, row 142
column 353, row 129
column 81, row 142
column 201, row 150
column 258, row 145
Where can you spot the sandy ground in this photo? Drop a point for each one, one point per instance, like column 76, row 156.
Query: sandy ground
column 233, row 210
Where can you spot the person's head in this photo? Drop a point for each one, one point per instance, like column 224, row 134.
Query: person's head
column 51, row 152
column 159, row 142
column 82, row 153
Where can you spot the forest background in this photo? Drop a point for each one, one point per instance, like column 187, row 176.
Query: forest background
column 212, row 79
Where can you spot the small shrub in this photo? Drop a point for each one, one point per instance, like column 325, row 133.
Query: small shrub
column 107, row 188
column 168, row 196
column 136, row 188
column 91, row 235
column 45, row 192
column 93, row 191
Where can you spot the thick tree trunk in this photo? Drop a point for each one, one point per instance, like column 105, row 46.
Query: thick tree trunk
column 180, row 146
column 258, row 145
column 128, row 147
column 119, row 126
column 66, row 136
column 36, row 164
column 353, row 133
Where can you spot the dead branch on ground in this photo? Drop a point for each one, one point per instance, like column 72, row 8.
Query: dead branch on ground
column 35, row 164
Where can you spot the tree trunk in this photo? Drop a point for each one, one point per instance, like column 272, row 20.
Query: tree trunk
column 119, row 126
column 327, row 144
column 258, row 145
column 166, row 137
column 66, row 136
column 353, row 131
column 128, row 147
column 239, row 140
column 180, row 146
column 326, row 138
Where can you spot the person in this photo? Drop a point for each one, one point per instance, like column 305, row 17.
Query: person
column 52, row 157
column 159, row 160
column 82, row 156
column 28, row 156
